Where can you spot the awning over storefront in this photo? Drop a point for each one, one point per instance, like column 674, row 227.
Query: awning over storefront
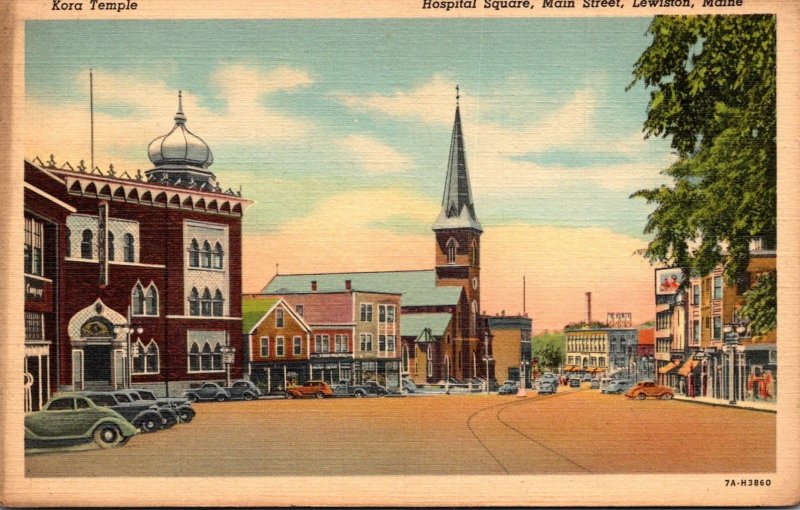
column 688, row 366
column 667, row 368
column 568, row 368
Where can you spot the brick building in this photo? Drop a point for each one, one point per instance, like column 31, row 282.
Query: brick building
column 511, row 345
column 151, row 278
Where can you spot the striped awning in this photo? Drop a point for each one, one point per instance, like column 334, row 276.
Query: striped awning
column 688, row 366
column 667, row 368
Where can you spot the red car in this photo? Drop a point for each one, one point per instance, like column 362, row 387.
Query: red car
column 317, row 389
column 650, row 389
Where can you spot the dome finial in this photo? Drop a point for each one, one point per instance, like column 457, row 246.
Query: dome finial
column 180, row 118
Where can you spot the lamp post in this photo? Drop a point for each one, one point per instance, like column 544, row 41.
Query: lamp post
column 126, row 329
column 228, row 354
column 521, row 391
column 486, row 357
column 732, row 332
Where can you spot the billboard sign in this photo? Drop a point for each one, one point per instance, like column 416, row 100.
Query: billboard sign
column 668, row 280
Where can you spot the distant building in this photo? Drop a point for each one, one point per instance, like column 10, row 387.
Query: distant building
column 354, row 335
column 601, row 350
column 692, row 323
column 645, row 353
column 511, row 345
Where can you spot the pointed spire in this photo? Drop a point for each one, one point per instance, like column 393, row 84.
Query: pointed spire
column 180, row 118
column 458, row 211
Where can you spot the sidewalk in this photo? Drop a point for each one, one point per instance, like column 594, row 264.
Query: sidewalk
column 760, row 405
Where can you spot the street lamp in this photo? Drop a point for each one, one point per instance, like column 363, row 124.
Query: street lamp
column 126, row 329
column 228, row 353
column 732, row 332
column 521, row 391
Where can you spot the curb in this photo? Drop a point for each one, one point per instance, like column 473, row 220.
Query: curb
column 720, row 404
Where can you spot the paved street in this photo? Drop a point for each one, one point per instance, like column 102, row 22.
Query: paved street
column 571, row 432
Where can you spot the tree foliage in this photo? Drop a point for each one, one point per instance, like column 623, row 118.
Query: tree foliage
column 712, row 93
column 549, row 355
column 761, row 304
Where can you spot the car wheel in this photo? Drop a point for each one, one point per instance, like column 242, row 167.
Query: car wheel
column 107, row 435
column 641, row 396
column 318, row 395
column 221, row 398
column 359, row 394
column 149, row 424
column 247, row 396
column 168, row 420
column 186, row 415
column 192, row 397
column 289, row 395
column 666, row 396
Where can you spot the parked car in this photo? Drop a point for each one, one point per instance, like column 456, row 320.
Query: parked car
column 318, row 389
column 574, row 382
column 179, row 405
column 650, row 389
column 168, row 415
column 207, row 391
column 617, row 386
column 70, row 418
column 508, row 388
column 244, row 390
column 143, row 416
column 409, row 385
column 586, row 378
column 595, row 384
column 345, row 389
column 547, row 386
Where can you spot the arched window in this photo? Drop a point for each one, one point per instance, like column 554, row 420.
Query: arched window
column 216, row 360
column 217, row 305
column 474, row 253
column 451, row 250
column 218, row 256
column 110, row 246
column 404, row 360
column 430, row 362
column 194, row 358
column 86, row 244
column 473, row 317
column 69, row 242
column 151, row 300
column 446, row 366
column 145, row 360
column 205, row 358
column 137, row 300
column 194, row 254
column 151, row 364
column 205, row 303
column 129, row 248
column 205, row 257
column 194, row 302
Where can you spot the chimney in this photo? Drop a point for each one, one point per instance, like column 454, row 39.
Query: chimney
column 588, row 308
column 313, row 285
column 348, row 285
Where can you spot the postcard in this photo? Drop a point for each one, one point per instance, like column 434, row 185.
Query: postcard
column 407, row 253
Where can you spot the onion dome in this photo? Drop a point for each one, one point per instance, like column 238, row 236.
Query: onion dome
column 180, row 145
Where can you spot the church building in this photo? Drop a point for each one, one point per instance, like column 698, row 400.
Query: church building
column 441, row 328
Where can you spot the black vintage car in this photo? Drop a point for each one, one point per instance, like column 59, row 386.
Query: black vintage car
column 181, row 406
column 142, row 415
column 244, row 390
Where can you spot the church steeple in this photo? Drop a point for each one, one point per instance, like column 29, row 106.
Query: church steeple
column 458, row 210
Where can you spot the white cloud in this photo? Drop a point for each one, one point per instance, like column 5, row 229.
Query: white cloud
column 374, row 156
column 130, row 112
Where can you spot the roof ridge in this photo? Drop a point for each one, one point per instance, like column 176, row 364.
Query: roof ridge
column 357, row 272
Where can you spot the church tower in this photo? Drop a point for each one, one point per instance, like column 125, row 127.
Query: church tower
column 458, row 233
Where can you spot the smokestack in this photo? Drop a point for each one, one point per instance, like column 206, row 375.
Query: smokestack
column 588, row 308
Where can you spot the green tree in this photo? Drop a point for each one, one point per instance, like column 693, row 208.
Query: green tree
column 761, row 304
column 712, row 92
column 549, row 355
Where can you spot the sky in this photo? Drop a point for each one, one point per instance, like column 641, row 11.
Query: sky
column 339, row 130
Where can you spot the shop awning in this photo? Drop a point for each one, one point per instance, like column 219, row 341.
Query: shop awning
column 688, row 366
column 667, row 368
column 568, row 368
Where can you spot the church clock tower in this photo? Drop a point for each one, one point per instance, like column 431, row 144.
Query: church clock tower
column 458, row 234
